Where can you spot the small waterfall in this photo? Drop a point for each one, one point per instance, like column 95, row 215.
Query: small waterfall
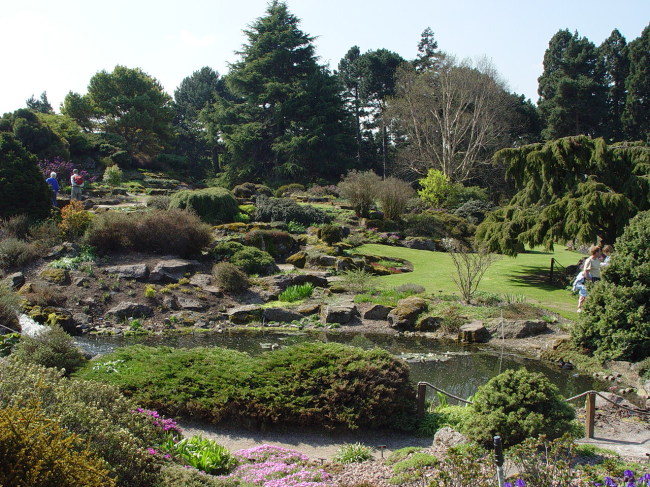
column 29, row 327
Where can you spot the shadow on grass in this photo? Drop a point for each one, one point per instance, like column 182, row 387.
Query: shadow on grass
column 536, row 276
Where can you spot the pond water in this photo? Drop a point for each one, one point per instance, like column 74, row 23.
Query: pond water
column 456, row 368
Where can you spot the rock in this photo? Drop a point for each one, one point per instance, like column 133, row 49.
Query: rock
column 245, row 314
column 474, row 332
column 127, row 309
column 344, row 264
column 517, row 328
column 170, row 270
column 282, row 315
column 201, row 280
column 130, row 271
column 15, row 280
column 321, row 260
column 419, row 243
column 428, row 323
column 81, row 281
column 308, row 309
column 446, row 438
column 66, row 249
column 56, row 276
column 376, row 312
column 190, row 304
column 343, row 313
column 316, row 281
column 298, row 259
column 405, row 314
column 277, row 283
column 81, row 319
column 169, row 301
column 615, row 398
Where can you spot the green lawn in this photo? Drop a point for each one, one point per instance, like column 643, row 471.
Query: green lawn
column 527, row 275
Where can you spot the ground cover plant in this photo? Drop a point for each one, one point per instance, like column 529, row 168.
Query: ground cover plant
column 527, row 274
column 324, row 384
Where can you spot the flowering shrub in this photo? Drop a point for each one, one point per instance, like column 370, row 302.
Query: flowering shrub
column 63, row 170
column 168, row 425
column 388, row 238
column 271, row 466
column 74, row 219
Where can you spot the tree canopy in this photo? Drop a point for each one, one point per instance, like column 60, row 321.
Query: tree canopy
column 575, row 188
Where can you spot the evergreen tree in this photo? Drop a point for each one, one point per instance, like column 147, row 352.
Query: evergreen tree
column 41, row 105
column 287, row 118
column 428, row 54
column 571, row 88
column 613, row 52
column 349, row 74
column 636, row 116
column 575, row 188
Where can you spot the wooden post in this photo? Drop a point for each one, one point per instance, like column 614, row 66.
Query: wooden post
column 590, row 406
column 421, row 396
column 551, row 276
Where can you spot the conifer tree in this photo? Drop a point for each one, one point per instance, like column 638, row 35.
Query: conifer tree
column 613, row 52
column 636, row 117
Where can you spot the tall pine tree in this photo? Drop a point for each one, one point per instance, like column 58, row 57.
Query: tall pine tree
column 636, row 116
column 287, row 119
column 613, row 52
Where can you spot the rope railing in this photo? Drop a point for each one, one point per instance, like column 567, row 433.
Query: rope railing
column 622, row 406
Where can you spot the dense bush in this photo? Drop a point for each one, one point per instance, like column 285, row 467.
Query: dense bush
column 517, row 405
column 23, row 188
column 176, row 232
column 158, row 202
column 615, row 323
column 230, row 278
column 226, row 249
column 251, row 190
column 213, row 205
column 286, row 210
column 438, row 224
column 288, row 189
column 330, row 234
column 16, row 253
column 74, row 220
column 16, row 226
column 275, row 242
column 474, row 211
column 53, row 347
column 113, row 176
column 97, row 412
column 254, row 261
column 9, row 306
column 360, row 188
column 393, row 196
column 37, row 452
column 320, row 384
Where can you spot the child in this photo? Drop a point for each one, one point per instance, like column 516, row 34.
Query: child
column 579, row 285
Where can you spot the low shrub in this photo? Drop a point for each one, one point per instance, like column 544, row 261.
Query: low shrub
column 474, row 211
column 275, row 242
column 158, row 202
column 353, row 453
column 226, row 249
column 254, row 261
column 212, row 205
column 251, row 190
column 357, row 280
column 113, row 176
column 437, row 225
column 182, row 476
column 330, row 234
column 296, row 293
column 176, row 232
column 202, row 453
column 9, row 306
column 410, row 289
column 53, row 347
column 74, row 219
column 517, row 405
column 288, row 189
column 16, row 253
column 16, row 226
column 286, row 210
column 38, row 452
column 46, row 233
column 230, row 278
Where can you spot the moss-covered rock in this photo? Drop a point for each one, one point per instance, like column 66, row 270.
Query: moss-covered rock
column 56, row 276
column 405, row 314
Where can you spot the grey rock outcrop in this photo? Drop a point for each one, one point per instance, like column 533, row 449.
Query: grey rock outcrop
column 342, row 313
column 281, row 315
column 376, row 312
column 127, row 309
column 405, row 314
column 474, row 332
column 130, row 271
column 15, row 280
column 517, row 328
column 245, row 314
column 170, row 270
column 446, row 438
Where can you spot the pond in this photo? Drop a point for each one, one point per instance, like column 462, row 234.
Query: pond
column 456, row 368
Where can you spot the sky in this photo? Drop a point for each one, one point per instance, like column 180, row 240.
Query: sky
column 57, row 46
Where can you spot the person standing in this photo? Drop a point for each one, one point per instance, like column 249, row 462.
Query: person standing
column 591, row 268
column 608, row 250
column 77, row 182
column 54, row 184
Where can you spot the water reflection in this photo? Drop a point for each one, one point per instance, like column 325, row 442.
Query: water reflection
column 463, row 368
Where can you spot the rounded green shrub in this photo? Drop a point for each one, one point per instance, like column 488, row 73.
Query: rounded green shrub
column 53, row 347
column 288, row 190
column 213, row 205
column 226, row 249
column 254, row 261
column 276, row 242
column 516, row 405
column 330, row 234
column 230, row 278
column 615, row 323
column 287, row 210
column 353, row 453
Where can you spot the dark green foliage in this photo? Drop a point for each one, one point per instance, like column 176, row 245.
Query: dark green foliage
column 574, row 188
column 229, row 277
column 286, row 210
column 226, row 249
column 254, row 261
column 213, row 205
column 330, row 234
column 251, row 190
column 288, row 189
column 438, row 224
column 616, row 321
column 9, row 306
column 51, row 348
column 636, row 116
column 35, row 134
column 516, row 405
column 474, row 211
column 616, row 64
column 319, row 384
column 275, row 242
column 23, row 187
column 176, row 232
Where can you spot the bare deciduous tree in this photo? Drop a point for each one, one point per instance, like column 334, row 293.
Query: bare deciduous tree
column 470, row 266
column 452, row 117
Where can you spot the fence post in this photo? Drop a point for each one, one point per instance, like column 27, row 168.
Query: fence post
column 498, row 460
column 551, row 276
column 590, row 406
column 421, row 396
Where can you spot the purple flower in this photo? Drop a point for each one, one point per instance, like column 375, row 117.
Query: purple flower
column 609, row 482
column 507, row 484
column 152, row 451
column 628, row 474
column 520, row 483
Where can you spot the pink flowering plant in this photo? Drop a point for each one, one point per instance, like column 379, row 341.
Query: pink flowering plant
column 167, row 425
column 63, row 170
column 271, row 466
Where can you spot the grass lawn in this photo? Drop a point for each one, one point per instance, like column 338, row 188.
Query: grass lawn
column 525, row 275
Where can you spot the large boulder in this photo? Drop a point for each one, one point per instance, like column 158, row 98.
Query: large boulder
column 170, row 270
column 15, row 280
column 299, row 259
column 474, row 332
column 446, row 438
column 405, row 314
column 342, row 313
column 248, row 313
column 419, row 243
column 376, row 312
column 130, row 271
column 281, row 315
column 517, row 328
column 314, row 280
column 127, row 309
column 190, row 304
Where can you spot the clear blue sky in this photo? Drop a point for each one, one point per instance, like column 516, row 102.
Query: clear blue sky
column 58, row 45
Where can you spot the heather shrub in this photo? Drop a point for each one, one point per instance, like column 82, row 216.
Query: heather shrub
column 275, row 242
column 158, row 202
column 46, row 233
column 287, row 210
column 173, row 231
column 74, row 219
column 16, row 253
column 16, row 226
column 230, row 278
column 53, row 347
column 330, row 234
column 254, row 261
column 36, row 451
column 9, row 306
column 517, row 405
column 288, row 189
column 393, row 196
column 360, row 189
column 181, row 476
column 212, row 205
column 98, row 413
column 250, row 190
